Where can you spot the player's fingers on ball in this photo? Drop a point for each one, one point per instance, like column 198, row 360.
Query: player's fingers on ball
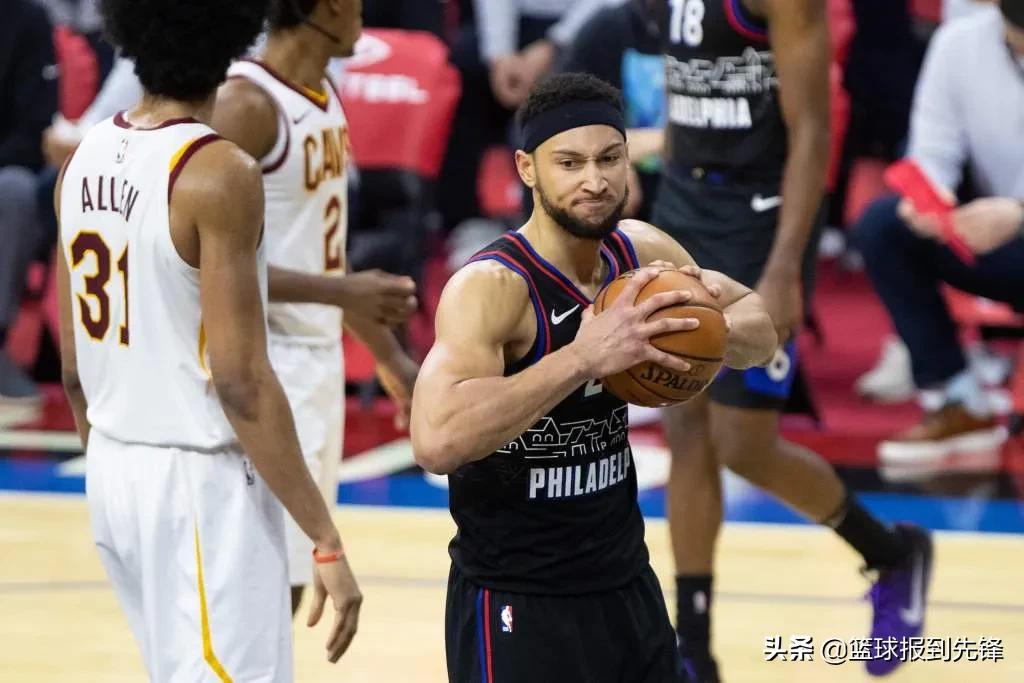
column 634, row 285
column 662, row 264
column 664, row 300
column 715, row 290
column 693, row 270
column 669, row 325
column 667, row 360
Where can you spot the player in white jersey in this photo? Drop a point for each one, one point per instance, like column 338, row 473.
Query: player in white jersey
column 190, row 444
column 281, row 108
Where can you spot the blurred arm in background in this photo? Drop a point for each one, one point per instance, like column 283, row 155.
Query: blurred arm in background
column 513, row 70
column 120, row 90
column 28, row 83
column 28, row 80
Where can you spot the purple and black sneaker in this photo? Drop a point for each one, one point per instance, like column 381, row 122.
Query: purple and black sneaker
column 899, row 597
column 698, row 664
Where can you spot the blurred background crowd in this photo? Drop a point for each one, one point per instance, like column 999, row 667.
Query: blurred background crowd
column 942, row 82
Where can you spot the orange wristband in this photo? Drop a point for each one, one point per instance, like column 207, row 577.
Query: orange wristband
column 327, row 558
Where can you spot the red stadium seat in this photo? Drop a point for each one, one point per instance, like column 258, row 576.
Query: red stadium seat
column 975, row 311
column 841, row 26
column 498, row 185
column 866, row 185
column 399, row 93
column 79, row 72
column 929, row 10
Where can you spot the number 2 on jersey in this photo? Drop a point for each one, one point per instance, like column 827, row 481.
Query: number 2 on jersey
column 333, row 257
column 96, row 320
column 686, row 22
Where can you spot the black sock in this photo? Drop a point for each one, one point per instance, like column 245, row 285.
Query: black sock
column 881, row 546
column 693, row 605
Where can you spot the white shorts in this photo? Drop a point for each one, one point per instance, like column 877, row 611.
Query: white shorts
column 313, row 380
column 194, row 545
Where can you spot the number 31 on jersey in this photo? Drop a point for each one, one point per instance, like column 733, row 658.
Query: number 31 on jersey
column 686, row 22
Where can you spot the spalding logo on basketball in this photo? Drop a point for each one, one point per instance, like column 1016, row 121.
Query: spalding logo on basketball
column 650, row 384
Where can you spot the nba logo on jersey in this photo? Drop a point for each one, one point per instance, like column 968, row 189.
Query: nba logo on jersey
column 121, row 151
column 250, row 471
column 506, row 619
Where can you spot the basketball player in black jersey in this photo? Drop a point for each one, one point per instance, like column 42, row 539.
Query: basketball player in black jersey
column 748, row 103
column 550, row 578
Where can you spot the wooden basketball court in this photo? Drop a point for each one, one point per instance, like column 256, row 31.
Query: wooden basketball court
column 60, row 621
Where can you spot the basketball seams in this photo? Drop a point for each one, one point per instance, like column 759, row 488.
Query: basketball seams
column 640, row 294
column 690, row 356
column 716, row 309
column 621, row 392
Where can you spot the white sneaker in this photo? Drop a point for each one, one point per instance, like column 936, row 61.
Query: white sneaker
column 892, row 378
column 991, row 368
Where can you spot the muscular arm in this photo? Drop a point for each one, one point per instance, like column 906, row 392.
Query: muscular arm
column 232, row 310
column 68, row 359
column 752, row 338
column 800, row 42
column 463, row 407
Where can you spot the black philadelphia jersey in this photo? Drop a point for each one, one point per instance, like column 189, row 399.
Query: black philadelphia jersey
column 554, row 511
column 723, row 100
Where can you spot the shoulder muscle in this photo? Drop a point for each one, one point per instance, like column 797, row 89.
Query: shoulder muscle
column 652, row 244
column 246, row 114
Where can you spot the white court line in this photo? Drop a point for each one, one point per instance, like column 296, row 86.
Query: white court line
column 376, row 462
column 65, row 442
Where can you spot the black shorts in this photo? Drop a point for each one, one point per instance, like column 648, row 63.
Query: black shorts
column 730, row 227
column 620, row 636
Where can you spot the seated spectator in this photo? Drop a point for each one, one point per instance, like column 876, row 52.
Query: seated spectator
column 622, row 45
column 28, row 81
column 409, row 15
column 968, row 109
column 500, row 55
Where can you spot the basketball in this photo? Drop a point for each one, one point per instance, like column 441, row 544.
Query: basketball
column 649, row 384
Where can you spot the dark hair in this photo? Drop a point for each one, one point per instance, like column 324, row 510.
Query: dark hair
column 1013, row 10
column 182, row 48
column 554, row 91
column 289, row 13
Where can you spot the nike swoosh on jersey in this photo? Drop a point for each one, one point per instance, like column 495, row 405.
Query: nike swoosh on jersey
column 557, row 319
column 761, row 204
column 298, row 119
